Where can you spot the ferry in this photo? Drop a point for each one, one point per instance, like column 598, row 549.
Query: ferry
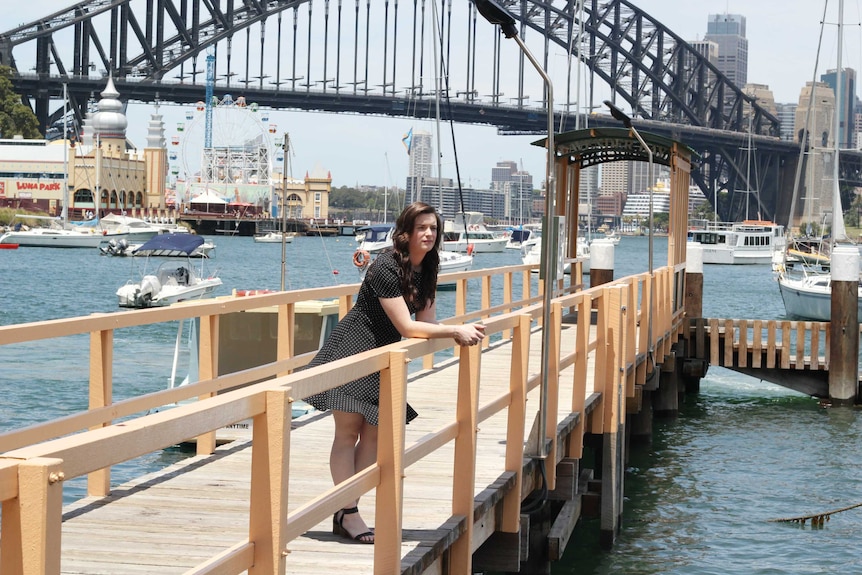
column 734, row 243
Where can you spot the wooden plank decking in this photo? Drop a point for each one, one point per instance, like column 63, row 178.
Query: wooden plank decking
column 158, row 524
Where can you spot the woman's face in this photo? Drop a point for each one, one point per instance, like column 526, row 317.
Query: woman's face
column 424, row 235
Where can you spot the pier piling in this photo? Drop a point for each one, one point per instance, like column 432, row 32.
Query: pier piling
column 844, row 327
column 601, row 263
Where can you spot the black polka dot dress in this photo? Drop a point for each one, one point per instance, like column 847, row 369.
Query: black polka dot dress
column 366, row 326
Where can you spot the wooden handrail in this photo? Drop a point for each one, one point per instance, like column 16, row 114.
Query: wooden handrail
column 55, row 448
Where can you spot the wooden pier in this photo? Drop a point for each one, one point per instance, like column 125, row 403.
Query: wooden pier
column 447, row 490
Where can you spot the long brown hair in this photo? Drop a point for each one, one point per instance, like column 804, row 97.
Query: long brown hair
column 430, row 263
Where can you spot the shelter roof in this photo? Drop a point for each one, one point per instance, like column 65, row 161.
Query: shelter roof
column 593, row 146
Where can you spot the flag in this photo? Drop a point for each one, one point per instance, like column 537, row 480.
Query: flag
column 407, row 140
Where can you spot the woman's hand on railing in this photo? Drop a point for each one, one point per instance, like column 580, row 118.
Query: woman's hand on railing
column 469, row 334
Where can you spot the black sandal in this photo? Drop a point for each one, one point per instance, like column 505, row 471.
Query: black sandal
column 338, row 527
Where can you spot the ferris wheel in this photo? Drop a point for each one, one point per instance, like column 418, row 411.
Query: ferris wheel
column 242, row 153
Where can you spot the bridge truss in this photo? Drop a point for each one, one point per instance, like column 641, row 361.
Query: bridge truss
column 374, row 58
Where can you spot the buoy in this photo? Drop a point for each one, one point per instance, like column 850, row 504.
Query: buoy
column 470, row 248
column 361, row 258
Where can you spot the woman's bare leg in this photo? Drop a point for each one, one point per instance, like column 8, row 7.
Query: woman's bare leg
column 353, row 448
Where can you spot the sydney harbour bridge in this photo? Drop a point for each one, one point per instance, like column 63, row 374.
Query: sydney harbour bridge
column 403, row 58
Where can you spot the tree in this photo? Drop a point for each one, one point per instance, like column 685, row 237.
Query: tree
column 15, row 117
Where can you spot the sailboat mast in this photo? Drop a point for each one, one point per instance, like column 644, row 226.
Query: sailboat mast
column 65, row 210
column 838, row 230
column 437, row 106
column 286, row 148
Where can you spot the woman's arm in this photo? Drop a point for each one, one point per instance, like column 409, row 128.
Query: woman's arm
column 425, row 324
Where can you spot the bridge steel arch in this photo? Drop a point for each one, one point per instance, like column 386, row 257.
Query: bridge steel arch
column 370, row 57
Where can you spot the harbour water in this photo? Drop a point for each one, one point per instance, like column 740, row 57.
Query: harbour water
column 699, row 498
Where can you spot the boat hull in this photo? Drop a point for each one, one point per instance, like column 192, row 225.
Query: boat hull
column 806, row 299
column 57, row 238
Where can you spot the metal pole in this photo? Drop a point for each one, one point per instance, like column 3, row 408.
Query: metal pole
column 286, row 148
column 550, row 263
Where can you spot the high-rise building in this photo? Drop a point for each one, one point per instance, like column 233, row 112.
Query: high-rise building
column 421, row 150
column 848, row 103
column 517, row 187
column 728, row 31
column 787, row 116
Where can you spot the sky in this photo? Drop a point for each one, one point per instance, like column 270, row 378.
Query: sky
column 783, row 40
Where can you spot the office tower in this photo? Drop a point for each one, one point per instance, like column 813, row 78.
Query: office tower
column 787, row 116
column 848, row 103
column 517, row 187
column 421, row 150
column 728, row 31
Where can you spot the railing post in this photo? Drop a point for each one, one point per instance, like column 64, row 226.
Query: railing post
column 270, row 458
column 40, row 505
column 464, row 473
column 286, row 331
column 390, row 459
column 208, row 369
column 613, row 440
column 507, row 300
column 518, row 375
column 579, row 383
column 552, row 401
column 101, row 395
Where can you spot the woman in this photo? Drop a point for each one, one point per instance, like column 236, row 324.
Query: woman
column 400, row 283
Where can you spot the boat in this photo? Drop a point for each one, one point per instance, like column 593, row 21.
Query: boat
column 136, row 229
column 611, row 236
column 518, row 235
column 804, row 277
column 124, row 249
column 809, row 296
column 738, row 243
column 469, row 228
column 531, row 254
column 274, row 237
column 58, row 234
column 169, row 283
column 8, row 246
column 375, row 238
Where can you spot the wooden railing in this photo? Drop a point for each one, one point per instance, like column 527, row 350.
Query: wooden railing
column 35, row 462
column 779, row 344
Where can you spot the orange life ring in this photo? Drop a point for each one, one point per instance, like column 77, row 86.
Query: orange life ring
column 361, row 258
column 474, row 228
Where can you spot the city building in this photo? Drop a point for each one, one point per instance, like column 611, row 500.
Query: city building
column 98, row 174
column 420, row 148
column 786, row 114
column 105, row 174
column 728, row 31
column 517, row 187
column 847, row 114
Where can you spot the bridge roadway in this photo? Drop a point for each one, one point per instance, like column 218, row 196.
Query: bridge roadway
column 172, row 520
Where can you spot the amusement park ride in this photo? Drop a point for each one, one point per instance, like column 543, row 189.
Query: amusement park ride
column 222, row 163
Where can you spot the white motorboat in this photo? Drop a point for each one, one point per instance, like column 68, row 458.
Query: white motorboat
column 518, row 236
column 137, row 230
column 734, row 243
column 274, row 237
column 467, row 229
column 375, row 238
column 58, row 235
column 169, row 283
column 124, row 248
column 531, row 254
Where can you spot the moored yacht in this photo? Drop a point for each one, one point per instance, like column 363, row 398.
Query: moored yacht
column 732, row 243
